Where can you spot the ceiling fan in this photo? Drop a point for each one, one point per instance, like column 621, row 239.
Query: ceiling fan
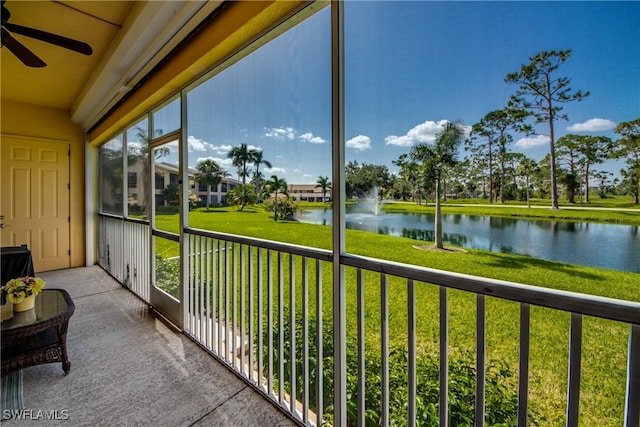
column 27, row 57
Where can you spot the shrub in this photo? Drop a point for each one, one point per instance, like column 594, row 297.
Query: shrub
column 501, row 400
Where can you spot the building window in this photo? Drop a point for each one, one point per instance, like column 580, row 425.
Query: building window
column 159, row 181
column 132, row 179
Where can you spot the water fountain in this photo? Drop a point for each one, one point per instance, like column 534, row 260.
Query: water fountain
column 371, row 202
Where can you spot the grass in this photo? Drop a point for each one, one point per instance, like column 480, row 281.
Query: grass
column 604, row 342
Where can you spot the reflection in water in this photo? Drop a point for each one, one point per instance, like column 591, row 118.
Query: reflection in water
column 599, row 245
column 429, row 236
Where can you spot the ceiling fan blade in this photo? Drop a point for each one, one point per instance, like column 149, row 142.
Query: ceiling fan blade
column 27, row 57
column 65, row 42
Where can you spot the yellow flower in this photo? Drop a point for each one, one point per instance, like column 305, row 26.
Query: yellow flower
column 37, row 285
column 16, row 290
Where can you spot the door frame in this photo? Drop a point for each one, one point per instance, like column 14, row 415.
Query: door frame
column 166, row 305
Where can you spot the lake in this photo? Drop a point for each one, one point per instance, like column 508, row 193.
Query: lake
column 611, row 246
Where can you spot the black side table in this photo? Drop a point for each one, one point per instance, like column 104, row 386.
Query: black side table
column 38, row 335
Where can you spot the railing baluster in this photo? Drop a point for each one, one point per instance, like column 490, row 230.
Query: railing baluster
column 444, row 357
column 280, row 329
column 292, row 332
column 411, row 338
column 305, row 340
column 575, row 356
column 361, row 404
column 242, row 308
column 227, row 323
column 481, row 336
column 523, row 371
column 319, row 349
column 260, row 320
column 251, row 314
column 384, row 332
column 632, row 405
column 194, row 289
column 220, row 297
column 194, row 275
column 234, row 310
column 208, row 282
column 211, row 307
column 191, row 245
column 270, row 321
column 201, row 283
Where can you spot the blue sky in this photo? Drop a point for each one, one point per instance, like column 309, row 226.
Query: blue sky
column 409, row 66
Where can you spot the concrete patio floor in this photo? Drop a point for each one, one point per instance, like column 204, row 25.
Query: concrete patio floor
column 129, row 369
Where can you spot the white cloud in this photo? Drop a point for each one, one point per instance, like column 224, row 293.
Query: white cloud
column 224, row 162
column 420, row 134
column 197, row 144
column 276, row 170
column 220, row 149
column 307, row 175
column 401, row 141
column 592, row 125
column 308, row 137
column 532, row 141
column 426, row 132
column 280, row 133
column 359, row 142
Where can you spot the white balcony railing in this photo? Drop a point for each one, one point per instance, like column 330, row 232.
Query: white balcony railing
column 258, row 305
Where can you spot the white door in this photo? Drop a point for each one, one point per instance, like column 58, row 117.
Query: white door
column 35, row 199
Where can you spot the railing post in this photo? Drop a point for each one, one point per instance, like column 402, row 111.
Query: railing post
column 338, row 230
column 523, row 371
column 444, row 357
column 384, row 348
column 481, row 337
column 575, row 355
column 361, row 348
column 632, row 406
column 411, row 332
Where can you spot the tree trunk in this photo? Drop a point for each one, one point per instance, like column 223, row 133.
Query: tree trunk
column 552, row 158
column 275, row 207
column 490, row 175
column 208, row 195
column 438, row 222
column 502, row 173
column 586, row 183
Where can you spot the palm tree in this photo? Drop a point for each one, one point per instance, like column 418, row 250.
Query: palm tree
column 241, row 157
column 276, row 184
column 209, row 174
column 435, row 159
column 138, row 154
column 241, row 195
column 324, row 183
column 258, row 160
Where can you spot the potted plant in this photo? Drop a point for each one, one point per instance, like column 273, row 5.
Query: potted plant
column 22, row 292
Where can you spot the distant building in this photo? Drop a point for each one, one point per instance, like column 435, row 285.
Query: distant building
column 167, row 174
column 308, row 193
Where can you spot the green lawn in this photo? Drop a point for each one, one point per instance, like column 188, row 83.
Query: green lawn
column 604, row 342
